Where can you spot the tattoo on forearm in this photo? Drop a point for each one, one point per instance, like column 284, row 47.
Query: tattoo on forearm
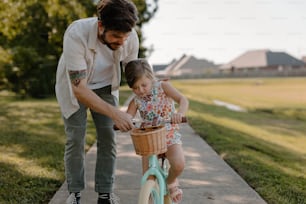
column 77, row 76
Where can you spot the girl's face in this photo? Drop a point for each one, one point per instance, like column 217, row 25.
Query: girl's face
column 142, row 86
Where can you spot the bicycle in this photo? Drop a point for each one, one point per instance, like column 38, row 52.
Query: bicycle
column 155, row 190
column 150, row 141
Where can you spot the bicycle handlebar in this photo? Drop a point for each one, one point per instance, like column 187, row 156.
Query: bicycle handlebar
column 184, row 120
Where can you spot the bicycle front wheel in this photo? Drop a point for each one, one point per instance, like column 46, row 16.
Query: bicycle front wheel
column 149, row 194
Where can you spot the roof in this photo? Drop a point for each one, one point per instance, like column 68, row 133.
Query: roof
column 187, row 64
column 159, row 67
column 262, row 58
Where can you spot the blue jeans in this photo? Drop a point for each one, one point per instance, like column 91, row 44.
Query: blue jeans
column 75, row 128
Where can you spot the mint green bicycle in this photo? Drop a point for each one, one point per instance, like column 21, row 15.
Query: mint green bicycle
column 155, row 191
column 150, row 142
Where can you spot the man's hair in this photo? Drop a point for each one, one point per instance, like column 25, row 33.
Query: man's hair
column 117, row 15
column 135, row 69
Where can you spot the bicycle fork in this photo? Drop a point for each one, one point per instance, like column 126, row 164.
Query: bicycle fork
column 160, row 174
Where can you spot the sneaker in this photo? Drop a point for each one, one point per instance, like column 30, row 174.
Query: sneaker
column 74, row 198
column 108, row 198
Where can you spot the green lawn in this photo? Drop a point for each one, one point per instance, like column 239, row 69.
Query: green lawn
column 266, row 145
column 32, row 148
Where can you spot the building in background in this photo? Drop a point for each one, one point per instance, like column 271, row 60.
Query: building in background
column 159, row 67
column 263, row 60
column 304, row 59
column 186, row 66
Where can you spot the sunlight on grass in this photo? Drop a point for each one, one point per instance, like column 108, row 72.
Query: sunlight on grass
column 266, row 144
column 29, row 167
column 296, row 143
column 273, row 92
column 296, row 172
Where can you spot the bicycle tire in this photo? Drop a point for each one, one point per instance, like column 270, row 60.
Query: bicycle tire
column 146, row 191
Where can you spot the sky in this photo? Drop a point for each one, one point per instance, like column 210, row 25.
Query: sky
column 221, row 30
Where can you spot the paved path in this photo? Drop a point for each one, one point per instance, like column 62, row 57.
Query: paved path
column 207, row 179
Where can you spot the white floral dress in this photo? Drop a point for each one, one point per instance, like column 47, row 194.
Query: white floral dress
column 157, row 104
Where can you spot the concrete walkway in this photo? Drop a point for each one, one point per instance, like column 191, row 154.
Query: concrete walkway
column 207, row 179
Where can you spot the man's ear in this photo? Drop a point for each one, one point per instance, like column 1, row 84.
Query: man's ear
column 100, row 24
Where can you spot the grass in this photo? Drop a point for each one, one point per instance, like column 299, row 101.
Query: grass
column 265, row 145
column 32, row 148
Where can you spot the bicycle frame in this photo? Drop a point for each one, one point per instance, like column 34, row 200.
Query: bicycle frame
column 160, row 172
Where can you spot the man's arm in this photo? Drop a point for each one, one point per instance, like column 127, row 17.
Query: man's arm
column 91, row 100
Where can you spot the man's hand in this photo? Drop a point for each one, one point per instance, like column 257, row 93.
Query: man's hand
column 123, row 121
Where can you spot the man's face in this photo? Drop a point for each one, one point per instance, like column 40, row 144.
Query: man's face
column 113, row 39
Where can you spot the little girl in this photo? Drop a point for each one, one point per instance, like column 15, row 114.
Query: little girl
column 156, row 99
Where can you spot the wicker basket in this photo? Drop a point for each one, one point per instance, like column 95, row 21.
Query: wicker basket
column 148, row 141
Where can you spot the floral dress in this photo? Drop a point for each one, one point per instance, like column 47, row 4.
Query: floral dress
column 157, row 104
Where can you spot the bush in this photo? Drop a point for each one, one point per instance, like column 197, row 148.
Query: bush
column 29, row 74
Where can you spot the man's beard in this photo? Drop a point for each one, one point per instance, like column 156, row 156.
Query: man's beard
column 102, row 38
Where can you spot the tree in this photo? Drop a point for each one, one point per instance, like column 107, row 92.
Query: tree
column 146, row 11
column 31, row 34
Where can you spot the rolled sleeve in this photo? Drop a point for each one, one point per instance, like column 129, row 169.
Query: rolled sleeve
column 74, row 51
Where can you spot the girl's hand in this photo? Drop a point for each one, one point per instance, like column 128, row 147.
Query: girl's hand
column 176, row 118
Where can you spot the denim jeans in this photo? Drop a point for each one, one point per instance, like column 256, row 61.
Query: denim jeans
column 75, row 128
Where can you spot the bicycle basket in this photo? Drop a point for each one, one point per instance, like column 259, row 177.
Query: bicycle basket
column 150, row 140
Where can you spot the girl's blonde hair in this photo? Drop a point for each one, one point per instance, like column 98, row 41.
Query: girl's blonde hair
column 136, row 69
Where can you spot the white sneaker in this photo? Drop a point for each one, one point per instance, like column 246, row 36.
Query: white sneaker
column 74, row 198
column 108, row 199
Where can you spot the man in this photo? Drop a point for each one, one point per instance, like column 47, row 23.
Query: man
column 88, row 76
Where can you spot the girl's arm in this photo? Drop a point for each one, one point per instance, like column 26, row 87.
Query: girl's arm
column 179, row 98
column 132, row 109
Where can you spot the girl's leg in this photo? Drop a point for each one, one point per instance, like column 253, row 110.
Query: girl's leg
column 176, row 159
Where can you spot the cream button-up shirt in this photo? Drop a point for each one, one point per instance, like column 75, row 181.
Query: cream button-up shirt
column 79, row 52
